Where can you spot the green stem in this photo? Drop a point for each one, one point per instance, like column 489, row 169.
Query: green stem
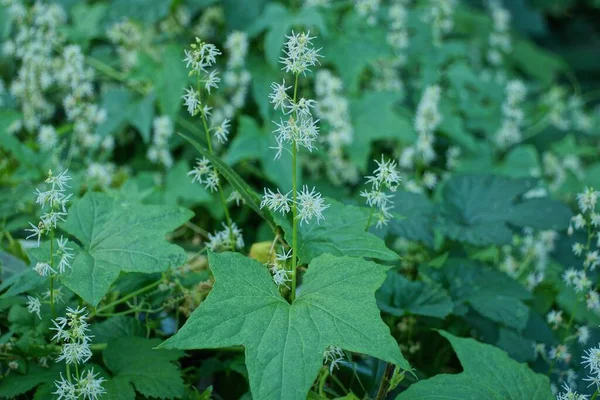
column 76, row 371
column 384, row 386
column 52, row 309
column 595, row 395
column 129, row 296
column 68, row 372
column 369, row 220
column 294, row 208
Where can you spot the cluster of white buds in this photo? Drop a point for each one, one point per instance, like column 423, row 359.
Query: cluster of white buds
column 556, row 168
column 427, row 119
column 368, row 9
column 333, row 356
column 100, row 175
column 279, row 269
column 499, row 39
column 440, row 14
column 127, row 36
column 159, row 151
column 569, row 394
column 227, row 239
column 236, row 79
column 510, row 131
column 397, row 36
column 566, row 112
column 205, row 174
column 385, row 177
column 199, row 59
column 88, row 386
column 333, row 108
column 55, row 198
column 34, row 306
column 72, row 333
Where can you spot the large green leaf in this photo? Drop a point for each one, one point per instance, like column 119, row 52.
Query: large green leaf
column 284, row 343
column 341, row 233
column 119, row 236
column 478, row 209
column 171, row 80
column 373, row 118
column 15, row 383
column 278, row 21
column 134, row 361
column 488, row 374
column 399, row 296
column 491, row 293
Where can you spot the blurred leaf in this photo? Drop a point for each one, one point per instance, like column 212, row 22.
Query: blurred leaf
column 418, row 220
column 86, row 23
column 398, row 296
column 171, row 81
column 146, row 11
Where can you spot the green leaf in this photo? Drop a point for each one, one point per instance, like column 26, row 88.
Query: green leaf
column 171, row 81
column 341, row 233
column 491, row 293
column 521, row 162
column 353, row 47
column 86, row 23
column 399, row 296
column 116, row 327
column 240, row 14
column 179, row 188
column 146, row 11
column 528, row 57
column 488, row 374
column 478, row 209
column 141, row 116
column 418, row 220
column 373, row 118
column 251, row 198
column 279, row 21
column 284, row 343
column 119, row 236
column 15, row 383
column 152, row 372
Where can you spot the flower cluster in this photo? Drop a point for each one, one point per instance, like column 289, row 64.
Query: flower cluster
column 333, row 356
column 427, row 120
column 556, row 168
column 205, row 174
column 227, row 239
column 333, row 108
column 384, row 177
column 159, row 151
column 72, row 333
column 127, row 36
column 368, row 9
column 279, row 269
column 309, row 203
column 397, row 35
column 299, row 53
column 510, row 131
column 566, row 112
column 55, row 198
column 440, row 13
column 199, row 58
column 499, row 39
column 88, row 386
column 236, row 79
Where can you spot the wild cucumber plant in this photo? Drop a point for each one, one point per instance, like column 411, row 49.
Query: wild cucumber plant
column 374, row 199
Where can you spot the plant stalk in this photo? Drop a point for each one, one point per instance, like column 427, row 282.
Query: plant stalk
column 294, row 208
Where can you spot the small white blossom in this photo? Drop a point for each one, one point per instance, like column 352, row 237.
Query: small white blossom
column 555, row 318
column 333, row 356
column 44, row 269
column 587, row 200
column 276, row 201
column 34, row 306
column 310, row 205
column 299, row 53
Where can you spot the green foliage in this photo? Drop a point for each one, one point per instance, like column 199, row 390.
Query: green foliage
column 336, row 307
column 135, row 363
column 119, row 237
column 488, row 373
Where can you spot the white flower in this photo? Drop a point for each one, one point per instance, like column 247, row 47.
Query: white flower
column 191, row 100
column 281, row 275
column 592, row 260
column 587, row 200
column 578, row 221
column 555, row 318
column 223, row 240
column 65, row 390
column 591, row 359
column 237, row 46
column 212, row 81
column 386, row 174
column 237, row 197
column 593, row 300
column 201, row 56
column 299, row 55
column 34, row 306
column 333, row 355
column 77, row 352
column 279, row 97
column 36, row 231
column 44, row 269
column 276, row 201
column 310, row 205
column 222, row 131
column 583, row 334
column 65, row 254
column 72, row 330
column 430, row 179
column 577, row 248
column 47, row 138
column 90, row 386
column 569, row 394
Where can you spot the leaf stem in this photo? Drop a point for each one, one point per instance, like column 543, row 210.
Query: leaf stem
column 384, row 386
column 52, row 309
column 125, row 298
column 369, row 220
column 294, row 208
